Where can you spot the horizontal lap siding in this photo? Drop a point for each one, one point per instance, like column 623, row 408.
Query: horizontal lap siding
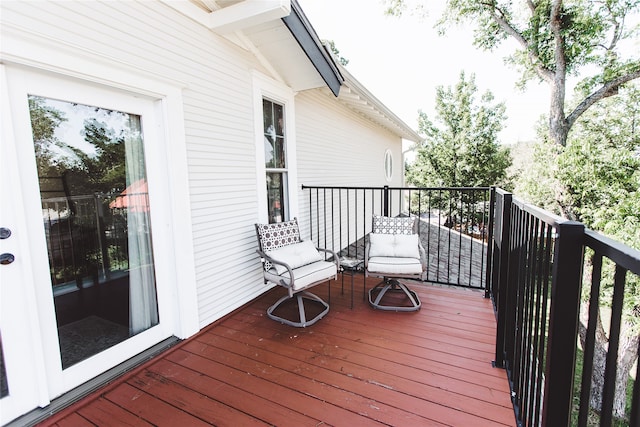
column 339, row 147
column 218, row 112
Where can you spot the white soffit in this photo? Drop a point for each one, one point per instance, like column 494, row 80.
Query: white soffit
column 276, row 43
column 228, row 16
column 357, row 98
column 247, row 14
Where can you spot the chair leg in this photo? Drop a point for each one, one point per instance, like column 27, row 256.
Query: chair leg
column 300, row 297
column 388, row 286
column 301, row 313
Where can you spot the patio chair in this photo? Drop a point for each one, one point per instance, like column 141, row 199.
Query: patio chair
column 393, row 252
column 295, row 265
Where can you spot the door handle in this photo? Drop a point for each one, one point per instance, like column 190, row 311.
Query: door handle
column 6, row 258
column 4, row 233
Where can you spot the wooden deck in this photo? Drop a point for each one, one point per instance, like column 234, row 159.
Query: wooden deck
column 355, row 367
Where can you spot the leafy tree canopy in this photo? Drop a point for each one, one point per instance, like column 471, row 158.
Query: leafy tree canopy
column 556, row 39
column 462, row 148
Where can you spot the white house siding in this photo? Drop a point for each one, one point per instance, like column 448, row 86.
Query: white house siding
column 339, row 147
column 335, row 146
column 218, row 112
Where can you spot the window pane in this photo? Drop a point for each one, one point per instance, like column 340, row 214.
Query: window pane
column 279, row 153
column 269, row 152
column 278, row 111
column 275, row 196
column 274, row 143
column 96, row 216
column 267, row 114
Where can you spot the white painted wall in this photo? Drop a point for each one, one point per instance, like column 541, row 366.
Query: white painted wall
column 339, row 147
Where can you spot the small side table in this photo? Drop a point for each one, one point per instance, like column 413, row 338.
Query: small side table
column 350, row 266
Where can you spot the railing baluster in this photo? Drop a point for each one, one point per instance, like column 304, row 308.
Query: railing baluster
column 634, row 419
column 462, row 225
column 608, row 392
column 590, row 338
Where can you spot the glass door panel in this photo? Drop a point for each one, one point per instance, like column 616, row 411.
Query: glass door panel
column 96, row 217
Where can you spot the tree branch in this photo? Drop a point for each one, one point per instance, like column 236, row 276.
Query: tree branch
column 493, row 10
column 531, row 6
column 607, row 90
column 555, row 21
column 617, row 28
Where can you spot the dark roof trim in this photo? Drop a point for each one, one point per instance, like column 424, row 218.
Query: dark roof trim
column 310, row 43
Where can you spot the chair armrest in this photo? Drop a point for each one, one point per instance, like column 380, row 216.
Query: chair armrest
column 336, row 260
column 423, row 257
column 264, row 257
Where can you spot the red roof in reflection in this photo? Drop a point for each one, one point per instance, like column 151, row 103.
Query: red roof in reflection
column 135, row 197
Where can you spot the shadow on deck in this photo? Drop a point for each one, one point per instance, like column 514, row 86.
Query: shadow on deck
column 355, row 367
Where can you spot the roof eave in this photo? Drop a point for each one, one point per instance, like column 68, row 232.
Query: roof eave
column 310, row 43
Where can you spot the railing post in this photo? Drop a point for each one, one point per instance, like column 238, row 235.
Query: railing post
column 488, row 289
column 563, row 324
column 502, row 274
column 385, row 198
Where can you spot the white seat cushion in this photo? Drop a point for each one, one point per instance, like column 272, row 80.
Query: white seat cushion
column 310, row 273
column 394, row 265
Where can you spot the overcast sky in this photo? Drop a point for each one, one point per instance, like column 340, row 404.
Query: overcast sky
column 402, row 61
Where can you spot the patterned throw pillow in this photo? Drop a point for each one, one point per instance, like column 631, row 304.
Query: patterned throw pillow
column 277, row 235
column 397, row 225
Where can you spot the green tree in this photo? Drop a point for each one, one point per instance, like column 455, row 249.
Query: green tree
column 462, row 150
column 557, row 39
column 335, row 52
column 103, row 171
column 600, row 168
column 600, row 172
column 44, row 121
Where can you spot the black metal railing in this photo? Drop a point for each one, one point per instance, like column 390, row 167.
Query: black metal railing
column 454, row 225
column 537, row 268
column 537, row 287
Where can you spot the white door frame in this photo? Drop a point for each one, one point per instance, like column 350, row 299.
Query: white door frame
column 22, row 354
column 160, row 106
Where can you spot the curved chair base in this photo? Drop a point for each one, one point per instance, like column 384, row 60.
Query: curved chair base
column 382, row 288
column 303, row 317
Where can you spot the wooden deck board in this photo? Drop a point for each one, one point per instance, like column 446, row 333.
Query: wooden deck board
column 356, row 366
column 103, row 412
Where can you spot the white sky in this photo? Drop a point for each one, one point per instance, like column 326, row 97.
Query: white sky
column 402, row 61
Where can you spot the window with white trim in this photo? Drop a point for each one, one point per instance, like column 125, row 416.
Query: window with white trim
column 275, row 139
column 275, row 160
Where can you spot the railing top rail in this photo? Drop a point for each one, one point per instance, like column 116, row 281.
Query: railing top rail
column 323, row 187
column 546, row 216
column 337, row 187
column 502, row 192
column 623, row 255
